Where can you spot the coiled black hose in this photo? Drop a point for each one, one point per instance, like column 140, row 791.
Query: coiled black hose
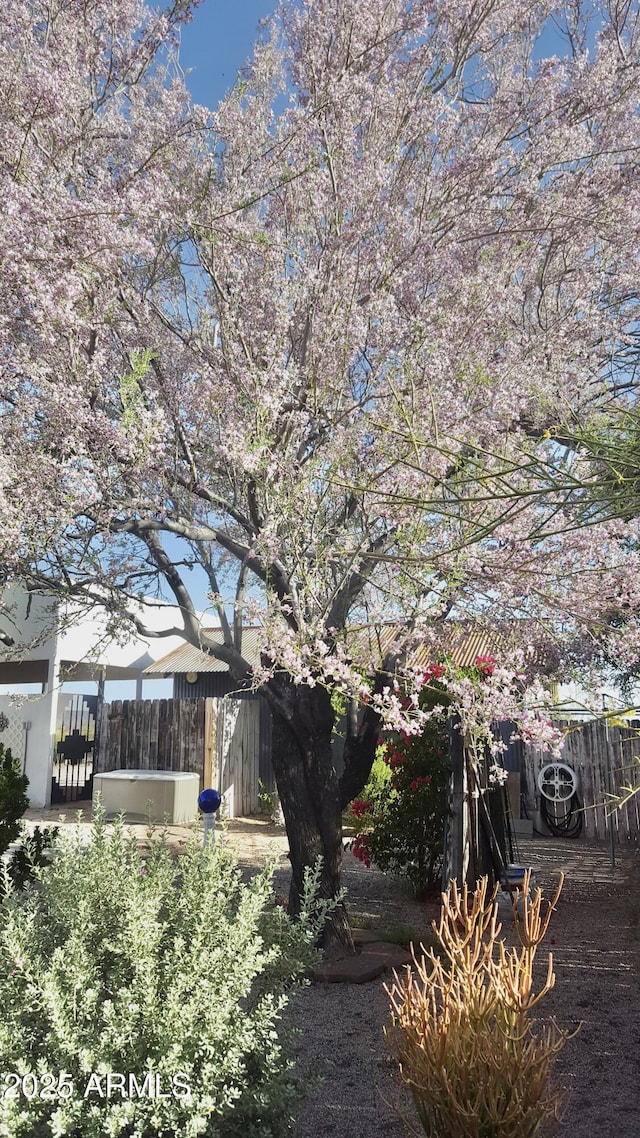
column 562, row 819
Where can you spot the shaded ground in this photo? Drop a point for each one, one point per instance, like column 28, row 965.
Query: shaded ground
column 595, row 940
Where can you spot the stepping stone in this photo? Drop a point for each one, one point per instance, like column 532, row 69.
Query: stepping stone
column 390, row 955
column 364, row 936
column 349, row 970
column 374, row 958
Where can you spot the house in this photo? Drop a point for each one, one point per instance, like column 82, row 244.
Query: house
column 49, row 648
column 195, row 673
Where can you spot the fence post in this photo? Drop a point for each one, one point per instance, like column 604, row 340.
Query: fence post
column 210, row 772
column 455, row 868
column 609, row 785
column 101, row 737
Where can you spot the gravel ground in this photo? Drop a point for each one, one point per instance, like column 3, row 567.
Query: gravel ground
column 595, row 941
column 342, row 1057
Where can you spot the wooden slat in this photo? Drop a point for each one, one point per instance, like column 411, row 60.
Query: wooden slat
column 145, row 733
column 163, row 735
column 265, row 771
column 605, row 759
column 154, row 715
column 210, row 766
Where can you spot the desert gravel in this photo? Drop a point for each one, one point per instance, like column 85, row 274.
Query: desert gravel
column 595, row 940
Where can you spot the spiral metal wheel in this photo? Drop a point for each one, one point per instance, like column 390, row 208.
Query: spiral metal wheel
column 557, row 782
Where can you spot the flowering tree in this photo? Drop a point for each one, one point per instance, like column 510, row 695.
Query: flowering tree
column 280, row 341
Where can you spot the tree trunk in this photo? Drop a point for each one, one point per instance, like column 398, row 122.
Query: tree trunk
column 312, row 795
column 309, row 792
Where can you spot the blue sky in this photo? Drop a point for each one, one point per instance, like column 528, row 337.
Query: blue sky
column 218, row 42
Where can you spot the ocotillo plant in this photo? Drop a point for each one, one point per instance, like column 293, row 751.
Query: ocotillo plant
column 461, row 1023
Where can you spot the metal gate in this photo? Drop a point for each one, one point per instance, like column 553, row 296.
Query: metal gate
column 72, row 779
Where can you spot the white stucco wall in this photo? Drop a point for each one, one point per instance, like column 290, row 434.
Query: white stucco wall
column 30, row 620
column 37, row 711
column 43, row 630
column 85, row 638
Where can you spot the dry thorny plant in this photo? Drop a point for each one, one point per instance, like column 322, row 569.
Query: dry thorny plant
column 475, row 1061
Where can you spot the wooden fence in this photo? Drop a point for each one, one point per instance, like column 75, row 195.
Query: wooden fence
column 238, row 755
column 159, row 734
column 226, row 741
column 606, row 759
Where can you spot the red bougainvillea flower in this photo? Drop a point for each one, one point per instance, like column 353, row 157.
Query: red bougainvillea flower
column 360, row 807
column 360, row 849
column 424, row 780
column 433, row 672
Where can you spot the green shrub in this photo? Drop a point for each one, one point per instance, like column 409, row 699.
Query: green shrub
column 266, row 799
column 167, row 970
column 13, row 797
column 374, row 794
column 36, row 850
column 402, row 815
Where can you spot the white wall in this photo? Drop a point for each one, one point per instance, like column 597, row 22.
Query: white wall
column 30, row 619
column 39, row 739
column 85, row 638
column 33, row 623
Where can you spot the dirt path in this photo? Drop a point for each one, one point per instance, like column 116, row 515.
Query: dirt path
column 595, row 940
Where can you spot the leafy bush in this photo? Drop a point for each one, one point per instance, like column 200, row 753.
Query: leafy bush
column 36, row 850
column 116, row 969
column 266, row 799
column 13, row 797
column 374, row 795
column 402, row 814
column 462, row 1030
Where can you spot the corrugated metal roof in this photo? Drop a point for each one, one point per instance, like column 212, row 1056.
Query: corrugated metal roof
column 186, row 658
column 461, row 644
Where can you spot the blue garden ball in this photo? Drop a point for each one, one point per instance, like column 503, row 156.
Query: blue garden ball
column 209, row 801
